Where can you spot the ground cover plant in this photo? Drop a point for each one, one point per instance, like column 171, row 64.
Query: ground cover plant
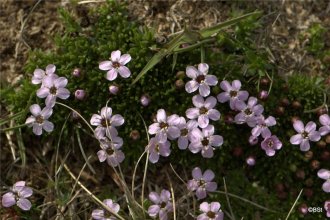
column 201, row 127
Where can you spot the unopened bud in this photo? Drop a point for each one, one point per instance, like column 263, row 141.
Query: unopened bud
column 113, row 89
column 263, row 95
column 285, row 102
column 315, row 164
column 134, row 135
column 251, row 161
column 253, row 140
column 76, row 72
column 279, row 110
column 179, row 84
column 180, row 74
column 309, row 155
column 303, row 209
column 145, row 100
column 296, row 105
column 80, row 94
column 264, row 81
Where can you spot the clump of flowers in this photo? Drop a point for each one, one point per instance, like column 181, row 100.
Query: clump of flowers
column 202, row 182
column 211, row 211
column 18, row 195
column 100, row 214
column 162, row 204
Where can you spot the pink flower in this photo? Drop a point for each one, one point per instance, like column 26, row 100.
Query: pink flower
column 200, row 79
column 211, row 211
column 204, row 110
column 325, row 121
column 110, row 150
column 305, row 134
column 39, row 74
column 18, row 194
column 327, row 208
column 185, row 130
column 250, row 112
column 270, row 144
column 165, row 126
column 262, row 126
column 325, row 174
column 53, row 88
column 162, row 204
column 116, row 65
column 99, row 214
column 38, row 119
column 155, row 149
column 204, row 141
column 232, row 93
column 106, row 122
column 201, row 183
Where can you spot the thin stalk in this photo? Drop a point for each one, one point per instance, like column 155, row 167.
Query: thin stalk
column 83, row 153
column 227, row 198
column 294, row 204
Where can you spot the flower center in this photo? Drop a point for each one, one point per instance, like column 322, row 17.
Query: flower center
column 200, row 79
column 115, row 65
column 39, row 119
column 53, row 90
column 203, row 110
column 201, row 183
column 184, row 132
column 205, row 142
column 157, row 148
column 305, row 135
column 210, row 214
column 105, row 122
column 163, row 205
column 163, row 125
column 248, row 111
column 109, row 151
column 233, row 93
column 270, row 144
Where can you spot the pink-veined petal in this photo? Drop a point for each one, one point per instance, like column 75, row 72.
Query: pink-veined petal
column 296, row 139
column 37, row 129
column 50, row 69
column 191, row 86
column 105, row 65
column 60, row 82
column 236, row 85
column 324, row 174
column 192, row 72
column 198, row 101
column 48, row 126
column 211, row 80
column 298, row 126
column 223, row 97
column 63, row 93
column 115, row 55
column 117, row 120
column 35, row 109
column 125, row 58
column 203, row 68
column 310, row 126
column 210, row 102
column 304, row 145
column 204, row 90
column 43, row 92
column 24, row 204
column 8, row 199
column 111, row 74
column 124, row 72
column 161, row 115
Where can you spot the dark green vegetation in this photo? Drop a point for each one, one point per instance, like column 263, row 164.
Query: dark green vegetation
column 274, row 182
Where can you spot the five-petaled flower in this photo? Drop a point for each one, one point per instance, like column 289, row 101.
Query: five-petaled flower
column 110, row 150
column 204, row 110
column 38, row 119
column 232, row 93
column 116, row 65
column 17, row 195
column 250, row 112
column 200, row 79
column 270, row 144
column 185, row 130
column 155, row 149
column 325, row 174
column 100, row 214
column 211, row 211
column 162, row 204
column 201, row 183
column 325, row 121
column 39, row 74
column 106, row 123
column 262, row 126
column 204, row 141
column 305, row 134
column 53, row 88
column 165, row 126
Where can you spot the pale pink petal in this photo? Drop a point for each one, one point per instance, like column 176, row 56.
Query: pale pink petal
column 200, row 193
column 211, row 187
column 204, row 207
column 48, row 126
column 314, row 136
column 161, row 115
column 207, row 152
column 96, row 120
column 46, row 112
column 153, row 210
column 214, row 114
column 43, row 92
column 106, row 112
column 236, row 85
column 35, row 109
column 173, row 132
column 25, row 192
column 203, row 121
column 243, row 95
column 310, row 126
column 63, row 93
column 214, row 206
column 30, row 120
column 211, row 80
column 154, row 128
column 216, row 140
column 223, row 97
column 105, row 65
column 37, row 129
column 111, row 74
column 117, row 120
column 8, row 199
column 61, row 82
column 48, row 81
column 153, row 157
column 124, row 72
column 208, row 175
column 98, row 214
column 125, row 58
column 198, row 101
column 296, row 139
column 225, row 85
column 102, row 155
column 324, row 119
column 192, row 72
column 204, row 90
column 183, row 143
column 50, row 101
column 326, row 186
column 298, row 126
column 304, row 145
column 24, row 204
column 197, row 173
column 191, row 86
column 208, row 131
column 115, row 55
column 50, row 69
column 324, row 174
column 210, row 102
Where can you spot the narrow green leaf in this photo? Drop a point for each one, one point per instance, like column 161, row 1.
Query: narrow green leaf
column 175, row 57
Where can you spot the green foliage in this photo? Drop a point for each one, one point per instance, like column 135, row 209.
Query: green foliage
column 316, row 38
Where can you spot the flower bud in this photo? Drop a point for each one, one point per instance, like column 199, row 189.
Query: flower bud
column 303, row 209
column 321, row 144
column 76, row 72
column 300, row 174
column 315, row 164
column 294, row 119
column 145, row 100
column 264, row 81
column 325, row 155
column 263, row 95
column 134, row 135
column 309, row 155
column 251, row 161
column 237, row 151
column 74, row 115
column 253, row 140
column 80, row 94
column 229, row 119
column 296, row 105
column 279, row 110
column 180, row 74
column 179, row 84
column 285, row 102
column 321, row 111
column 113, row 89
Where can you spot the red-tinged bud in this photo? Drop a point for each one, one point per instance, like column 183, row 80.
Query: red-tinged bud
column 76, row 72
column 80, row 94
column 134, row 135
column 145, row 100
column 113, row 89
column 263, row 95
column 251, row 161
